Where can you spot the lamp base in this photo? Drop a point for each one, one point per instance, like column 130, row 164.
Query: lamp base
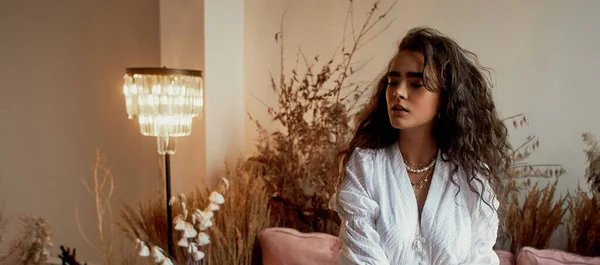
column 171, row 251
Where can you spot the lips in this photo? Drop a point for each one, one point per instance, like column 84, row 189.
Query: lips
column 399, row 108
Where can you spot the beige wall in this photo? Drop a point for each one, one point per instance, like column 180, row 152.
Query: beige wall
column 224, row 63
column 61, row 64
column 543, row 52
column 182, row 46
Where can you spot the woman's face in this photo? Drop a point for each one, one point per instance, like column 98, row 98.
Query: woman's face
column 410, row 105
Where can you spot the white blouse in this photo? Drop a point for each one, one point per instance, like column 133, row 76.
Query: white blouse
column 380, row 222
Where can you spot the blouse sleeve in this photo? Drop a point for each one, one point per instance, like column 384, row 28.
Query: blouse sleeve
column 358, row 212
column 484, row 230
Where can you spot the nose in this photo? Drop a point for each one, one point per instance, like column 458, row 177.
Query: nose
column 401, row 90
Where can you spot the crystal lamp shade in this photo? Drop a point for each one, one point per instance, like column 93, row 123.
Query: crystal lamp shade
column 164, row 100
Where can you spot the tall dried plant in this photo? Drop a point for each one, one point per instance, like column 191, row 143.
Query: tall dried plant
column 101, row 188
column 243, row 217
column 233, row 235
column 522, row 173
column 584, row 216
column 533, row 223
column 592, row 172
column 583, row 233
column 315, row 105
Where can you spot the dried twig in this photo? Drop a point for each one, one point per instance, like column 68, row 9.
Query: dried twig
column 101, row 189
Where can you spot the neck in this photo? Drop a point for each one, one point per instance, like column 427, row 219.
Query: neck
column 417, row 145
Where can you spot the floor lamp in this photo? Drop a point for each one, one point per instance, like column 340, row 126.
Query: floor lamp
column 165, row 102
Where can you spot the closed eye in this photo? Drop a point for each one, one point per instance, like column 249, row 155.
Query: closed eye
column 393, row 83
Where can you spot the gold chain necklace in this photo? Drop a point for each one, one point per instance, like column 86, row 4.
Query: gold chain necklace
column 422, row 183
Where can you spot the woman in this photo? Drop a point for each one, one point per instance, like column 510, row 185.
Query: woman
column 426, row 166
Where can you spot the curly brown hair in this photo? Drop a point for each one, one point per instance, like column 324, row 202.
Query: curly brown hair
column 468, row 131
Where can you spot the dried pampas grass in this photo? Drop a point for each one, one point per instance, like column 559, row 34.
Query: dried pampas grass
column 584, row 225
column 534, row 223
column 240, row 220
column 584, row 214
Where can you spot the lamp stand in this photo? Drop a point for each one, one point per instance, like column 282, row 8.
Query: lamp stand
column 169, row 208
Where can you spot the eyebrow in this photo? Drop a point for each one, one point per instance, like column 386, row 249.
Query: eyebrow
column 409, row 74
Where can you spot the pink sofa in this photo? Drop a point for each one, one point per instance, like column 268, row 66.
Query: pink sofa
column 285, row 246
column 532, row 256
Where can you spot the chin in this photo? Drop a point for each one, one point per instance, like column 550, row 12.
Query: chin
column 401, row 124
column 407, row 124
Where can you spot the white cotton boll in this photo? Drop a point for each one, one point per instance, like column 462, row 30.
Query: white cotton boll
column 208, row 214
column 167, row 261
column 158, row 254
column 192, row 248
column 204, row 224
column 205, row 214
column 185, row 214
column 212, row 207
column 194, row 218
column 203, row 239
column 182, row 197
column 172, row 200
column 179, row 223
column 144, row 251
column 189, row 232
column 198, row 255
column 183, row 242
column 216, row 198
column 183, row 206
column 226, row 181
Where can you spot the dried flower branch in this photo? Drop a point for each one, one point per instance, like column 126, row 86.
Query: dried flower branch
column 522, row 169
column 192, row 224
column 101, row 189
column 233, row 232
column 315, row 107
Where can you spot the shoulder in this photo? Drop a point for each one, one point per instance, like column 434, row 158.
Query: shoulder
column 365, row 159
column 364, row 168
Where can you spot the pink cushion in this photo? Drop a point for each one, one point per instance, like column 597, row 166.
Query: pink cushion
column 506, row 257
column 532, row 256
column 285, row 246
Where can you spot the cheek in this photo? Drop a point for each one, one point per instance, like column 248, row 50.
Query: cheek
column 388, row 96
column 427, row 103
